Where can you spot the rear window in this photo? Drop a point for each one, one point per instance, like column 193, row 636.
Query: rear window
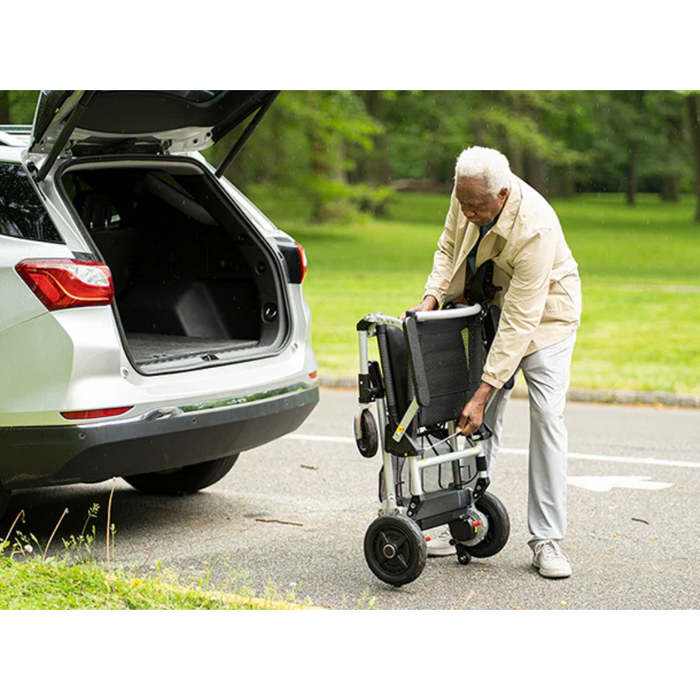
column 22, row 214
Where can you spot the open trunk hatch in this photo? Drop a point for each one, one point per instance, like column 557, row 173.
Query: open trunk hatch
column 195, row 283
column 140, row 121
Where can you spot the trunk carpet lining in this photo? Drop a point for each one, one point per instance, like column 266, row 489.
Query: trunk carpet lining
column 151, row 348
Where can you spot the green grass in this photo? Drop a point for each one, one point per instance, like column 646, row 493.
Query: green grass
column 640, row 268
column 74, row 578
column 77, row 577
column 62, row 585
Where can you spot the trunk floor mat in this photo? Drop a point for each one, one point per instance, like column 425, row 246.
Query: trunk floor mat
column 151, row 348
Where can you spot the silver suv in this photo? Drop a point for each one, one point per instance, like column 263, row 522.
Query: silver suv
column 152, row 320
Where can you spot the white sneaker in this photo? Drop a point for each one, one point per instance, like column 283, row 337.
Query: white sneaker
column 550, row 560
column 439, row 544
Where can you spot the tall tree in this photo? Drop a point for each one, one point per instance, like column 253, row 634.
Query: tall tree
column 668, row 157
column 332, row 122
column 693, row 110
column 636, row 136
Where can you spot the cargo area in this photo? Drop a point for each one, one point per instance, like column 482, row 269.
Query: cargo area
column 195, row 283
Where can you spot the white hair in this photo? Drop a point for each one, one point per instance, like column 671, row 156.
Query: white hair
column 487, row 164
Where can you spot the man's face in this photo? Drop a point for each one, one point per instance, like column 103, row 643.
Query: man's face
column 477, row 204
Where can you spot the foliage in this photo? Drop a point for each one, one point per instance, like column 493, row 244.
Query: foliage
column 17, row 106
column 340, row 149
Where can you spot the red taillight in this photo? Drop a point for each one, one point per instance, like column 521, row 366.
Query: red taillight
column 62, row 284
column 302, row 262
column 98, row 413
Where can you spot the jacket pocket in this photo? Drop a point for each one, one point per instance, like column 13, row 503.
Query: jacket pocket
column 564, row 301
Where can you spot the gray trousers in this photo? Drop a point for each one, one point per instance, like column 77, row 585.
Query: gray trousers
column 547, row 374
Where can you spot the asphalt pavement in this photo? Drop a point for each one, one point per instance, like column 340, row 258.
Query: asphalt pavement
column 292, row 516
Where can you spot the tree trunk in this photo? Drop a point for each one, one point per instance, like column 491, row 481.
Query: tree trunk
column 327, row 159
column 517, row 162
column 691, row 102
column 535, row 170
column 560, row 182
column 632, row 174
column 375, row 165
column 671, row 188
column 321, row 211
column 634, row 151
column 378, row 166
column 671, row 183
column 536, row 173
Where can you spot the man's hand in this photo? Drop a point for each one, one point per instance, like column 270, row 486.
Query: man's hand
column 473, row 413
column 429, row 303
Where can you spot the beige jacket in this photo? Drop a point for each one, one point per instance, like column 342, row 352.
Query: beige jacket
column 541, row 298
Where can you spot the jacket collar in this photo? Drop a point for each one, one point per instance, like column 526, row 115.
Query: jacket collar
column 506, row 220
column 495, row 240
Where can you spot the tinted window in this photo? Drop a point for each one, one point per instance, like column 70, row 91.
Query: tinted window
column 22, row 215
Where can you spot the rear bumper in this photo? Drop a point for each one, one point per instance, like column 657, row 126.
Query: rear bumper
column 159, row 440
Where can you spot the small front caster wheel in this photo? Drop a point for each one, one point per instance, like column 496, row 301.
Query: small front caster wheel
column 368, row 439
column 463, row 556
column 395, row 549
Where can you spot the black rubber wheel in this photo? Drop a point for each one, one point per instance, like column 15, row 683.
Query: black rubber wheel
column 369, row 442
column 183, row 481
column 4, row 500
column 463, row 556
column 395, row 549
column 499, row 527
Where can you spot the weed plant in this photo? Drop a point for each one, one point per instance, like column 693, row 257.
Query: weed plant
column 76, row 578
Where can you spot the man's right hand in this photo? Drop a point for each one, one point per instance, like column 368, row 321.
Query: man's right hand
column 429, row 303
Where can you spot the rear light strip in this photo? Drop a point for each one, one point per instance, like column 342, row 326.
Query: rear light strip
column 295, row 259
column 97, row 413
column 63, row 284
column 302, row 261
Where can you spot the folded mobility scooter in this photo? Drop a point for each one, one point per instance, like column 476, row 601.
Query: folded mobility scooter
column 429, row 366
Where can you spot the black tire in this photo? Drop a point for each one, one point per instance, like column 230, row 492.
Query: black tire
column 395, row 549
column 499, row 527
column 463, row 556
column 183, row 481
column 4, row 500
column 369, row 442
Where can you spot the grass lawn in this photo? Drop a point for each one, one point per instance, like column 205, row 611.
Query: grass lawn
column 34, row 584
column 640, row 268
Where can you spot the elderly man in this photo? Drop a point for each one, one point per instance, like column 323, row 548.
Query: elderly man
column 495, row 216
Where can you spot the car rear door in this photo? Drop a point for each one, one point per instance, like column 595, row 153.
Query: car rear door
column 94, row 122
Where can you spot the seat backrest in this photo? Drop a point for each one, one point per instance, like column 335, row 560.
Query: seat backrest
column 446, row 358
